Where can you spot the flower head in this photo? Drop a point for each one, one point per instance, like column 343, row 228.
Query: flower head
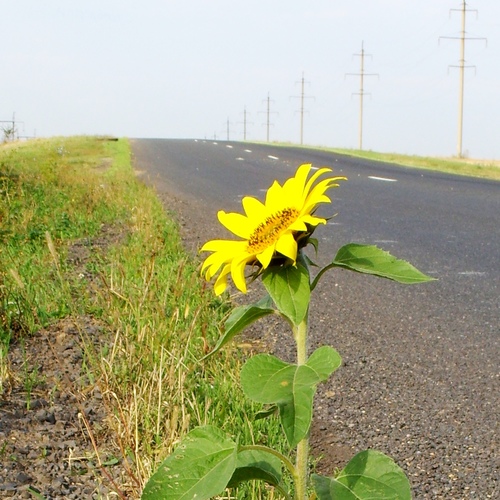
column 269, row 230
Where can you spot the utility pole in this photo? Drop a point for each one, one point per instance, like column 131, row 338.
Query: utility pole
column 268, row 115
column 245, row 123
column 228, row 127
column 10, row 132
column 361, row 92
column 302, row 110
column 461, row 66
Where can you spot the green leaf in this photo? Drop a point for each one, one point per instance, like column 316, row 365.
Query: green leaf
column 256, row 465
column 266, row 412
column 369, row 259
column 296, row 416
column 290, row 290
column 269, row 380
column 324, row 361
column 240, row 318
column 369, row 475
column 200, row 467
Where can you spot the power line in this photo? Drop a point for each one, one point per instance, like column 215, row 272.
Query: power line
column 461, row 66
column 361, row 92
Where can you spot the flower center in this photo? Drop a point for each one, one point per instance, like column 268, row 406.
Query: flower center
column 269, row 231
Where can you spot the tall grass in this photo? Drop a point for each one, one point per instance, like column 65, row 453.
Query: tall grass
column 137, row 280
column 44, row 190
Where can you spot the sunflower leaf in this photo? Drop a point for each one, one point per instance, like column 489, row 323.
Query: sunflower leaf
column 369, row 475
column 200, row 467
column 269, row 380
column 256, row 465
column 240, row 318
column 290, row 290
column 296, row 416
column 369, row 259
column 266, row 412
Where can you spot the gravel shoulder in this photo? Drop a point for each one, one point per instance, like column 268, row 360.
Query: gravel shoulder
column 53, row 420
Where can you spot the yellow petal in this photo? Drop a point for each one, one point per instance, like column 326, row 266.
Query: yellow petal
column 312, row 220
column 275, row 200
column 287, row 246
column 212, row 264
column 236, row 223
column 253, row 208
column 221, row 282
column 298, row 225
column 313, row 178
column 238, row 272
column 265, row 256
column 294, row 186
column 226, row 246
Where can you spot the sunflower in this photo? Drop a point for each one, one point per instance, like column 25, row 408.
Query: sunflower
column 269, row 230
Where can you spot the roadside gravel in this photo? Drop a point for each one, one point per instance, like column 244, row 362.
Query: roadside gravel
column 53, row 430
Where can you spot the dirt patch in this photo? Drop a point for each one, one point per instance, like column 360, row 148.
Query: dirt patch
column 53, row 430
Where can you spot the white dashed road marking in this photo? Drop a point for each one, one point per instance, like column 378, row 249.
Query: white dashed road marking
column 273, row 157
column 381, row 179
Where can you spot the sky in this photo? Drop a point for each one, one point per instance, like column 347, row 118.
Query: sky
column 189, row 69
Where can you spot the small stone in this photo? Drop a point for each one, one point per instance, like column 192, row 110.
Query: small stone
column 23, row 478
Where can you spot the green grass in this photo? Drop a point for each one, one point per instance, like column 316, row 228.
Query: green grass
column 486, row 169
column 158, row 317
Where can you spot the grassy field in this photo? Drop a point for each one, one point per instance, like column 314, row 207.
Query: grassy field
column 64, row 196
column 486, row 169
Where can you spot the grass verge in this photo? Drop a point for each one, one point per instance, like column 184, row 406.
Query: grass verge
column 81, row 237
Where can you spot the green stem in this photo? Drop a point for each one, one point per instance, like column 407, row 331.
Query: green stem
column 300, row 334
column 318, row 276
column 301, row 464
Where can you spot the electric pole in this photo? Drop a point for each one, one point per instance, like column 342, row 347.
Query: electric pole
column 10, row 133
column 302, row 111
column 461, row 67
column 245, row 122
column 227, row 130
column 268, row 115
column 361, row 92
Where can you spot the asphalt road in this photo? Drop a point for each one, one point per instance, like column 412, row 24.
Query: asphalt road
column 420, row 377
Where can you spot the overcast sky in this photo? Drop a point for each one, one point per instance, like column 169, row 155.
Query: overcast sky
column 183, row 68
